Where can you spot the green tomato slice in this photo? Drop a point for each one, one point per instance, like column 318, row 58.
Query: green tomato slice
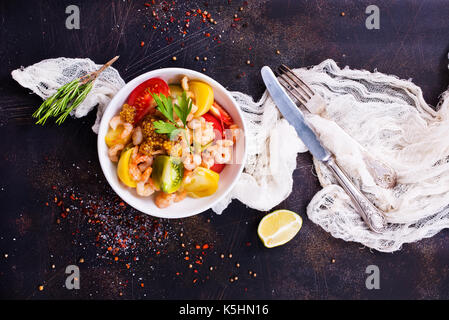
column 167, row 173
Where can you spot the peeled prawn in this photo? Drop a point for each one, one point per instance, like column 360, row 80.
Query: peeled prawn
column 137, row 136
column 127, row 127
column 192, row 161
column 163, row 200
column 136, row 160
column 114, row 151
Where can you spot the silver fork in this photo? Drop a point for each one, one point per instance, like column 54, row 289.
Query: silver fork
column 314, row 103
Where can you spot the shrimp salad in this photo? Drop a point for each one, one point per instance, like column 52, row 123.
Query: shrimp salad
column 171, row 141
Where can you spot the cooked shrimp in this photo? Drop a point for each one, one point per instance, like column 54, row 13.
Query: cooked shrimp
column 224, row 143
column 127, row 127
column 195, row 123
column 208, row 157
column 185, row 83
column 180, row 195
column 191, row 161
column 115, row 122
column 235, row 132
column 127, row 130
column 223, row 155
column 144, row 189
column 192, row 112
column 136, row 160
column 137, row 136
column 114, row 151
column 203, row 131
column 163, row 200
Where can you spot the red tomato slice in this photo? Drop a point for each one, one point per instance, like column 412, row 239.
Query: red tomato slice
column 221, row 114
column 141, row 99
column 217, row 167
column 218, row 127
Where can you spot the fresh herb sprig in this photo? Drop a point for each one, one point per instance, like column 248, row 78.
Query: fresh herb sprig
column 166, row 107
column 68, row 97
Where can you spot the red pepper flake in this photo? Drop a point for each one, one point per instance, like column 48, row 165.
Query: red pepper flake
column 122, row 204
column 46, row 203
column 142, row 285
column 116, row 259
column 158, row 253
column 188, row 13
column 186, row 258
column 196, row 271
column 237, row 19
column 147, row 4
column 53, row 187
column 205, row 246
column 195, row 280
column 207, row 34
column 197, row 246
column 127, row 266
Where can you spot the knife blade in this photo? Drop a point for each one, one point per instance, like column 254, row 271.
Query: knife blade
column 291, row 112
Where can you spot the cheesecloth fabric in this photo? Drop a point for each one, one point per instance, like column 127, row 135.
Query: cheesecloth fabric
column 365, row 112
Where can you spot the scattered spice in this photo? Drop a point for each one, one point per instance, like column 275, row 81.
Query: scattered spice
column 174, row 58
column 41, row 288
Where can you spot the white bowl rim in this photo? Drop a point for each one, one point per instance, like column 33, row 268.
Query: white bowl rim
column 118, row 188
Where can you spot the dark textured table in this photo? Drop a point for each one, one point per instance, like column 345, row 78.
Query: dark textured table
column 58, row 210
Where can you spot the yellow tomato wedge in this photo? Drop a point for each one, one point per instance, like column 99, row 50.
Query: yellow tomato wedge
column 113, row 137
column 123, row 168
column 204, row 96
column 202, row 183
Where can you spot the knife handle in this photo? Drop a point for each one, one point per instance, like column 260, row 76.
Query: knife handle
column 373, row 217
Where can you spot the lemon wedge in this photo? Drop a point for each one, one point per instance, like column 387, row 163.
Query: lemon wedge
column 279, row 227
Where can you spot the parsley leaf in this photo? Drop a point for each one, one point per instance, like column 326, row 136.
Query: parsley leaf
column 164, row 127
column 183, row 109
column 164, row 105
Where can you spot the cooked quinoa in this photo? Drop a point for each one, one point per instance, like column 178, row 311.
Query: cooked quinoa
column 128, row 113
column 153, row 141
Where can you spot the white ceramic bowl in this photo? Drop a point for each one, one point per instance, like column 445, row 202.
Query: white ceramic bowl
column 189, row 206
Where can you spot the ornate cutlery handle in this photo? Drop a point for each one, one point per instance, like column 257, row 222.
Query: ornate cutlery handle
column 369, row 213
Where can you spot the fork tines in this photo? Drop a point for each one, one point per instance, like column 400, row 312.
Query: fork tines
column 294, row 85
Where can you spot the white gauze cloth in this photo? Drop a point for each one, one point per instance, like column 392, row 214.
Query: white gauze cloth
column 370, row 112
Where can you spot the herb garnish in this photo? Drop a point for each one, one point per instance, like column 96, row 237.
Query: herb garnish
column 68, row 97
column 166, row 107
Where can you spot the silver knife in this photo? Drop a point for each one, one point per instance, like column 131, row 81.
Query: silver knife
column 373, row 217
